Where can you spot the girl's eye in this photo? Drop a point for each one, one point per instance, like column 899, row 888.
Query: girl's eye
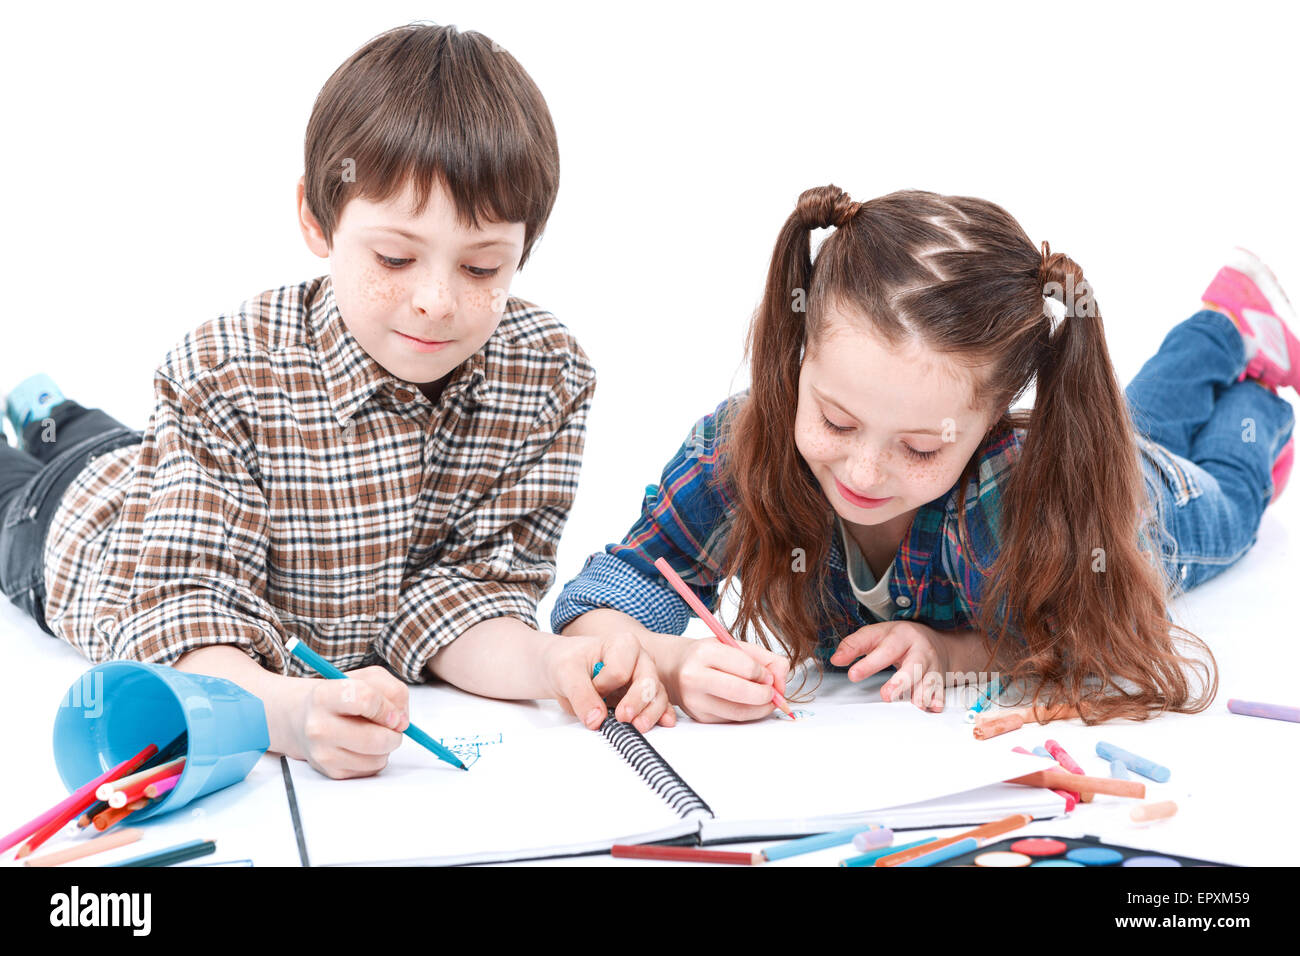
column 833, row 427
column 920, row 455
column 392, row 263
column 478, row 273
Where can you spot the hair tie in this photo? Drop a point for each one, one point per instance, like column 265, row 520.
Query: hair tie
column 849, row 212
column 1044, row 269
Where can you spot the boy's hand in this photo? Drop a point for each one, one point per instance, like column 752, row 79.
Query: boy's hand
column 347, row 728
column 713, row 682
column 919, row 653
column 569, row 661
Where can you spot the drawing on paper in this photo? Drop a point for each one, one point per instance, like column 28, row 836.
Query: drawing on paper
column 470, row 748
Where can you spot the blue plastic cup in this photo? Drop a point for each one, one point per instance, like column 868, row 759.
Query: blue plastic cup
column 118, row 708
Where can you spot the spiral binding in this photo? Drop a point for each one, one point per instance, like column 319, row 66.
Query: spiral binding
column 653, row 769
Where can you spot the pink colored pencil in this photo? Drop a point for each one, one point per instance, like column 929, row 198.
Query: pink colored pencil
column 121, row 796
column 74, row 803
column 705, row 615
column 156, row 789
column 1070, row 798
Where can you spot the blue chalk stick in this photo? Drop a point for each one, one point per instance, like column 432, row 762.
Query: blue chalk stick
column 1148, row 768
column 1118, row 770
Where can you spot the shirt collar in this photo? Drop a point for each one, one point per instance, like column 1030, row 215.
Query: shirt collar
column 352, row 376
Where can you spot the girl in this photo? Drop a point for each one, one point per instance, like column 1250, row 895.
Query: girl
column 879, row 504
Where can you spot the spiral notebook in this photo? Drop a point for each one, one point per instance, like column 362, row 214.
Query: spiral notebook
column 568, row 790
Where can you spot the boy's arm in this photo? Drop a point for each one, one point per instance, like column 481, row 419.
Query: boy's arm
column 193, row 557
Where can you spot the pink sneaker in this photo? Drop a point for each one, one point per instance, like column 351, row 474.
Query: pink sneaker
column 1282, row 468
column 1247, row 290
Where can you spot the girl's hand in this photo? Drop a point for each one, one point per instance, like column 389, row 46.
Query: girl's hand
column 919, row 653
column 347, row 728
column 713, row 682
column 569, row 661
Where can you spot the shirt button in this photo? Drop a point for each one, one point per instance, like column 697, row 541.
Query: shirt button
column 403, row 395
column 904, row 601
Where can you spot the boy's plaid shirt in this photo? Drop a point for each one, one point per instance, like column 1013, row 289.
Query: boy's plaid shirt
column 288, row 486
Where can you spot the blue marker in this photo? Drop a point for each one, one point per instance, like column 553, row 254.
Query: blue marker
column 326, row 669
column 1148, row 768
column 943, row 853
column 600, row 665
column 868, row 859
column 821, row 841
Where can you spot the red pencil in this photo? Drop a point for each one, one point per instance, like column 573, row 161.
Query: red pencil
column 80, row 800
column 714, row 624
column 684, row 854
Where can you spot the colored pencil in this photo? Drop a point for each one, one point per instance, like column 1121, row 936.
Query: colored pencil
column 173, row 854
column 684, row 854
column 1250, row 708
column 120, row 798
column 326, row 669
column 1148, row 768
column 1084, row 784
column 176, row 747
column 818, row 841
column 982, row 832
column 939, row 854
column 1066, row 761
column 53, row 820
column 175, row 765
column 156, row 789
column 869, row 859
column 705, row 615
column 112, row 815
column 1071, row 798
column 109, row 841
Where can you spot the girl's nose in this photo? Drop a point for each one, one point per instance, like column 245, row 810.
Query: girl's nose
column 866, row 473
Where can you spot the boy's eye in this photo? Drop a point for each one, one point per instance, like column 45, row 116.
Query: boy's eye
column 392, row 263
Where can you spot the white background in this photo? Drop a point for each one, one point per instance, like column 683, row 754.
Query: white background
column 151, row 154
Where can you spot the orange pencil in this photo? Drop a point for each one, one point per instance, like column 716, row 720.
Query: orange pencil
column 983, row 832
column 684, row 854
column 110, row 816
column 714, row 624
column 109, row 841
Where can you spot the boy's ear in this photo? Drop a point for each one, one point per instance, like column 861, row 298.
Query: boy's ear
column 311, row 230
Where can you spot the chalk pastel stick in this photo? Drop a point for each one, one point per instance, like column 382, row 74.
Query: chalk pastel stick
column 1250, row 708
column 1148, row 768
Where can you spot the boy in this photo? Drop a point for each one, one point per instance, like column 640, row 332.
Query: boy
column 378, row 461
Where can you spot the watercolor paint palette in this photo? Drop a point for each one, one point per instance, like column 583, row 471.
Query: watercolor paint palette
column 1068, row 851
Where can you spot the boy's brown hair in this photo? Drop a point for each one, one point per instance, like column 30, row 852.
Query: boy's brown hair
column 425, row 103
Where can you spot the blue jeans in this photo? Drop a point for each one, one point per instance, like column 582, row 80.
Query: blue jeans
column 32, row 483
column 1211, row 480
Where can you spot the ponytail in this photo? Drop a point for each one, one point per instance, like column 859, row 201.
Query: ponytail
column 1085, row 598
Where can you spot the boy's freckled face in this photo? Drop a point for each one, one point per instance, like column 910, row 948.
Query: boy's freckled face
column 446, row 285
column 893, row 407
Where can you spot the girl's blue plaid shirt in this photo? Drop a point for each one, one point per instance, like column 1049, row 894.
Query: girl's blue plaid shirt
column 938, row 578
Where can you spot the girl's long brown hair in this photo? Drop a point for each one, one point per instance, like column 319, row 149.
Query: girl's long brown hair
column 1077, row 575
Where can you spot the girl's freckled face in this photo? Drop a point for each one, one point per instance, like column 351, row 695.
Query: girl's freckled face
column 445, row 285
column 869, row 418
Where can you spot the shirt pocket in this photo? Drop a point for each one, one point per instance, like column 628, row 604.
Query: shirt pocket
column 1178, row 478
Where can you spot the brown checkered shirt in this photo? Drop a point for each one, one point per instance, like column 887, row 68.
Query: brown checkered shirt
column 287, row 485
